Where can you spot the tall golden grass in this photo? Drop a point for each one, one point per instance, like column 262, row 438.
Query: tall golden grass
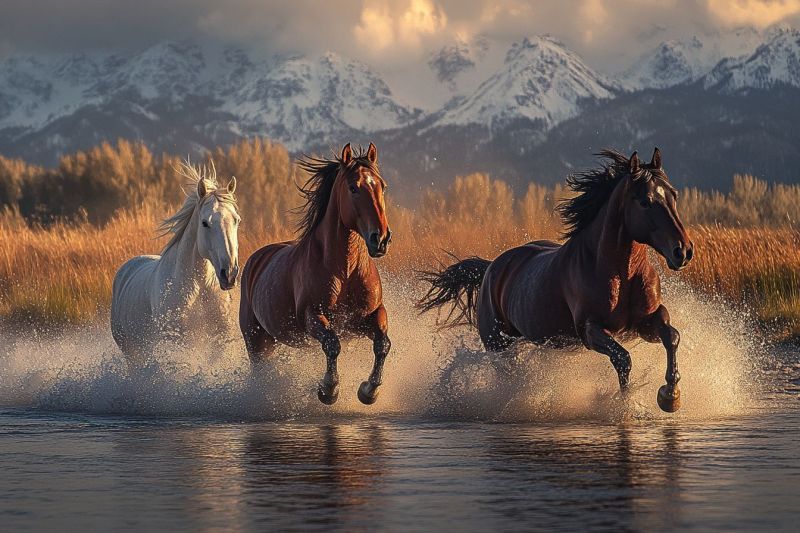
column 57, row 265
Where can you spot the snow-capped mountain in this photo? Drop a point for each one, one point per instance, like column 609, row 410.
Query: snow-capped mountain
column 449, row 62
column 540, row 80
column 527, row 104
column 676, row 62
column 774, row 63
column 301, row 101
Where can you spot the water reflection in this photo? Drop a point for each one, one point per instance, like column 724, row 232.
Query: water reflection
column 324, row 473
column 607, row 474
column 357, row 475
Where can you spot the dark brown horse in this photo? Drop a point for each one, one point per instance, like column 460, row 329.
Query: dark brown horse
column 325, row 283
column 597, row 285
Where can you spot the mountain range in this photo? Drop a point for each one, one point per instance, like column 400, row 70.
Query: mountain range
column 716, row 105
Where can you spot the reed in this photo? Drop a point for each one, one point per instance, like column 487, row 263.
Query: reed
column 65, row 231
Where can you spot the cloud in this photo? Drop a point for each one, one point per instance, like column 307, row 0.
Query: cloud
column 402, row 24
column 758, row 13
column 382, row 32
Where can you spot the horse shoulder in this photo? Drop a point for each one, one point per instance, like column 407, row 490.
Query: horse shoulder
column 368, row 284
column 646, row 293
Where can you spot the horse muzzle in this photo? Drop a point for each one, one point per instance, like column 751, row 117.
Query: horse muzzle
column 227, row 278
column 680, row 256
column 377, row 246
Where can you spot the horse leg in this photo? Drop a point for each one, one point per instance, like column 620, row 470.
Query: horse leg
column 600, row 340
column 318, row 326
column 490, row 328
column 656, row 328
column 378, row 325
column 258, row 342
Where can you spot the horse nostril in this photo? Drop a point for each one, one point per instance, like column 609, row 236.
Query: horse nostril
column 689, row 253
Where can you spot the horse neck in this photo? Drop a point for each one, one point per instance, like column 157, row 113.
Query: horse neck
column 343, row 250
column 615, row 251
column 187, row 269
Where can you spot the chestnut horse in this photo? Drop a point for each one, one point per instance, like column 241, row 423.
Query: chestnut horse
column 597, row 285
column 325, row 282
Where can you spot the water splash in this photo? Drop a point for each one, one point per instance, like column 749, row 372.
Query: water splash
column 428, row 374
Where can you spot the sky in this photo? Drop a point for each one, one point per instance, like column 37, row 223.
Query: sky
column 391, row 35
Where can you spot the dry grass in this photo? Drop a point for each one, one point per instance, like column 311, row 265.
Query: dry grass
column 755, row 267
column 65, row 231
column 62, row 274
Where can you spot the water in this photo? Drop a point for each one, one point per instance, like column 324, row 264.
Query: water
column 194, row 441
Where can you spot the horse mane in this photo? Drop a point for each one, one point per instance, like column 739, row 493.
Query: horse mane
column 594, row 188
column 177, row 223
column 318, row 188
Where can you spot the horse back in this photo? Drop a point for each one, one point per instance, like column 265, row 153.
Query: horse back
column 525, row 291
column 257, row 264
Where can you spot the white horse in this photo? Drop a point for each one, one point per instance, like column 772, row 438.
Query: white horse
column 154, row 296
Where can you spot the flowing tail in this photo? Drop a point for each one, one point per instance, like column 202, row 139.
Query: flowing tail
column 457, row 285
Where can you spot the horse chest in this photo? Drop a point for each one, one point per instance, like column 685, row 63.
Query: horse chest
column 616, row 303
column 353, row 297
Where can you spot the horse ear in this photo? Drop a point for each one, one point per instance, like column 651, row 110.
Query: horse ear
column 634, row 163
column 372, row 153
column 232, row 185
column 656, row 161
column 202, row 189
column 347, row 154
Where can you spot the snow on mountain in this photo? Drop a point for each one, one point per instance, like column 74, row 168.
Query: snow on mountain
column 298, row 101
column 540, row 80
column 449, row 62
column 34, row 91
column 677, row 62
column 302, row 100
column 775, row 63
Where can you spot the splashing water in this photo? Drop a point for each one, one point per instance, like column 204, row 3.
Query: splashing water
column 428, row 374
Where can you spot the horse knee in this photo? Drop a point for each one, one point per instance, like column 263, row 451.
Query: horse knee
column 381, row 345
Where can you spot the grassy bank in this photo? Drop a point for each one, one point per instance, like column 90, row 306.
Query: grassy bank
column 64, row 231
column 62, row 274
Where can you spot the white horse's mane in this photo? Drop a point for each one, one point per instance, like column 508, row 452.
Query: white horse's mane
column 177, row 223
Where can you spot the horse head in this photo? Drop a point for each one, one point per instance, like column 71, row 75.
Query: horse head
column 359, row 189
column 217, row 230
column 651, row 212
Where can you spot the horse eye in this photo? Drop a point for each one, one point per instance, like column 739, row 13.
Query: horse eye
column 646, row 202
column 205, row 223
column 353, row 189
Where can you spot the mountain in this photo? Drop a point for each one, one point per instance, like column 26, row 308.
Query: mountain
column 451, row 61
column 721, row 103
column 308, row 102
column 540, row 81
column 774, row 63
column 184, row 97
column 678, row 62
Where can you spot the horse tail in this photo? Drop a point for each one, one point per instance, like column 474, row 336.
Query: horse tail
column 457, row 285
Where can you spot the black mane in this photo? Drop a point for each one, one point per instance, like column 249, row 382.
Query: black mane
column 317, row 190
column 594, row 187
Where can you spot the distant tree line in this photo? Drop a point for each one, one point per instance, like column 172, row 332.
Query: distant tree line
column 94, row 185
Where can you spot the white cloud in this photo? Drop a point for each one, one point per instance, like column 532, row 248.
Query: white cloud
column 758, row 13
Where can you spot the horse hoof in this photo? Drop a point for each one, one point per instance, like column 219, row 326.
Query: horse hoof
column 367, row 393
column 328, row 396
column 669, row 402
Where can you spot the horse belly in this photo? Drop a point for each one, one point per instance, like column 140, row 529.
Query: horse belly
column 131, row 315
column 534, row 302
column 271, row 297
